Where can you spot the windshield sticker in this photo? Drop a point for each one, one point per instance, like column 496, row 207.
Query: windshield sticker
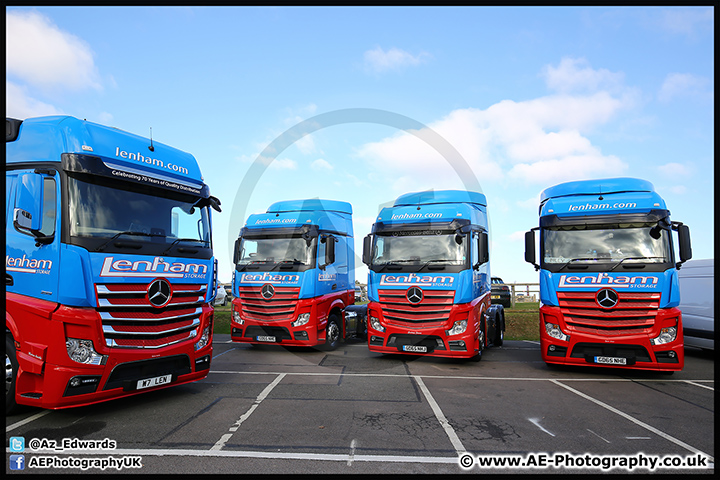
column 419, row 233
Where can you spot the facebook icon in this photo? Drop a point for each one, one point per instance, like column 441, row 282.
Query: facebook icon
column 17, row 462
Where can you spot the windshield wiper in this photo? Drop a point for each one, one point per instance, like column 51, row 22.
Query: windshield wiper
column 287, row 263
column 428, row 262
column 577, row 259
column 394, row 263
column 204, row 242
column 128, row 232
column 632, row 258
column 408, row 260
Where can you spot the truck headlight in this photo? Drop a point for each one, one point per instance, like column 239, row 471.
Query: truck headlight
column 302, row 319
column 204, row 339
column 83, row 351
column 457, row 328
column 667, row 335
column 375, row 324
column 237, row 318
column 554, row 331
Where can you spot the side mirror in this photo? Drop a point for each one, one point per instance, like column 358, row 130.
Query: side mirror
column 329, row 251
column 684, row 243
column 530, row 249
column 483, row 249
column 215, row 203
column 27, row 216
column 236, row 252
column 367, row 250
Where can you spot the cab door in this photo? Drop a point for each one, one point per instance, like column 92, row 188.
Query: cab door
column 32, row 234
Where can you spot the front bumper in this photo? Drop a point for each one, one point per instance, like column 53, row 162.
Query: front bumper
column 432, row 343
column 616, row 351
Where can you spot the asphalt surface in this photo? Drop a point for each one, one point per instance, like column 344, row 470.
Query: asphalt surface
column 271, row 409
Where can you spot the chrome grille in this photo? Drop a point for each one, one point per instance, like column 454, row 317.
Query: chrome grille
column 432, row 311
column 634, row 313
column 130, row 321
column 278, row 308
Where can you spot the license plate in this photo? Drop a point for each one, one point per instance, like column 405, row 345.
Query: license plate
column 415, row 348
column 611, row 360
column 265, row 338
column 154, row 382
column 495, row 296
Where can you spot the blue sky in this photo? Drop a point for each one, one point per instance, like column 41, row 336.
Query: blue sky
column 529, row 97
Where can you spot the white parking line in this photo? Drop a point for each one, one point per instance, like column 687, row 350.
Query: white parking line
column 604, row 439
column 536, row 422
column 636, row 421
column 22, row 422
column 225, row 438
column 699, row 385
column 353, row 444
column 454, row 439
column 337, row 457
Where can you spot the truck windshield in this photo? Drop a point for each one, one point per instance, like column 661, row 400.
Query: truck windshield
column 564, row 246
column 411, row 248
column 269, row 252
column 115, row 216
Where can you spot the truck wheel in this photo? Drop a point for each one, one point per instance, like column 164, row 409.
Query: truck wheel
column 481, row 346
column 11, row 369
column 499, row 330
column 332, row 333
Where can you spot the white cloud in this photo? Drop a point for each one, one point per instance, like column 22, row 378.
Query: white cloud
column 529, row 204
column 321, row 165
column 674, row 170
column 687, row 21
column 678, row 189
column 684, row 85
column 576, row 75
column 283, row 164
column 379, row 60
column 19, row 104
column 571, row 167
column 538, row 141
column 39, row 53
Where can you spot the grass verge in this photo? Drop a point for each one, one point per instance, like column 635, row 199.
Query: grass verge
column 521, row 322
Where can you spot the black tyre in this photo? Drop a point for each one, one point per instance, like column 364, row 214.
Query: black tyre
column 499, row 330
column 11, row 369
column 333, row 333
column 481, row 346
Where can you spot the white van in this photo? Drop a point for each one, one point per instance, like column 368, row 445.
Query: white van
column 697, row 302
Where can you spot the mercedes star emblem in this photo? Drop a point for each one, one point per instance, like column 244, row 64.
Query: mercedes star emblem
column 159, row 293
column 414, row 295
column 607, row 298
column 267, row 291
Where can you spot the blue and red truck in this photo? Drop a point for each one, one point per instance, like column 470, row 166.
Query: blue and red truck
column 609, row 287
column 109, row 267
column 429, row 277
column 294, row 278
